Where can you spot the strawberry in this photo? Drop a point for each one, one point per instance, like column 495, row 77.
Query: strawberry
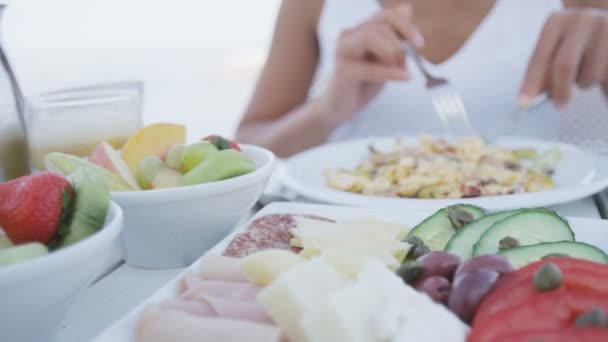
column 33, row 208
column 222, row 143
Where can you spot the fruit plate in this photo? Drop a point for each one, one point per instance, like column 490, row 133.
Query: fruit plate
column 579, row 174
column 587, row 230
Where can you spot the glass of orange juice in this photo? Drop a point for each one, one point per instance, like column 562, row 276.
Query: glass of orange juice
column 76, row 120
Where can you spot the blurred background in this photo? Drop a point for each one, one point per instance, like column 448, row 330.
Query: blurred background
column 199, row 59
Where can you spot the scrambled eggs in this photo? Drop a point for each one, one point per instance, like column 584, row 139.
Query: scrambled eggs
column 438, row 169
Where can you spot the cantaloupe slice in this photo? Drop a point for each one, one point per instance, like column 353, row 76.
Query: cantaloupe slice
column 152, row 140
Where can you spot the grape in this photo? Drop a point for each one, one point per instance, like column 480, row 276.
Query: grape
column 438, row 288
column 439, row 264
column 468, row 290
column 196, row 153
column 147, row 170
column 493, row 262
column 174, row 157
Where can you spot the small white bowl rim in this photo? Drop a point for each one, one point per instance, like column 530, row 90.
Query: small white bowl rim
column 66, row 256
column 207, row 189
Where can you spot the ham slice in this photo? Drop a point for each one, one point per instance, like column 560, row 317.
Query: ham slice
column 223, row 289
column 206, row 305
column 161, row 325
column 219, row 267
column 213, row 267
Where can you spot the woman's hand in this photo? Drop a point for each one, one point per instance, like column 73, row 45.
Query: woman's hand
column 367, row 56
column 572, row 49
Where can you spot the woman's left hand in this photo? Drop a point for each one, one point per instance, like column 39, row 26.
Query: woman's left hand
column 572, row 49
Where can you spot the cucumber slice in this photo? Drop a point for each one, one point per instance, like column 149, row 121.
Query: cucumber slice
column 465, row 238
column 529, row 227
column 521, row 256
column 437, row 229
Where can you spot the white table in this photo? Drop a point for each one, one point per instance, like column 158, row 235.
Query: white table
column 121, row 289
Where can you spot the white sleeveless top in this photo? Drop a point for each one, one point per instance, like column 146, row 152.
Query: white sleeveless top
column 487, row 71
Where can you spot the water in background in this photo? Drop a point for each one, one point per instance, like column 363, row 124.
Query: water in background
column 199, row 58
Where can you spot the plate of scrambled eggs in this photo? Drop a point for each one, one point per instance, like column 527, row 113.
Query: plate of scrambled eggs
column 427, row 172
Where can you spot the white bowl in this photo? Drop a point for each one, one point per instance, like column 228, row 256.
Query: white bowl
column 168, row 228
column 36, row 294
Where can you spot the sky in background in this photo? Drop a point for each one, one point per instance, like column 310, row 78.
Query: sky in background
column 199, row 59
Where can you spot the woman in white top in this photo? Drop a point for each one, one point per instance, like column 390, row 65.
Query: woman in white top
column 336, row 69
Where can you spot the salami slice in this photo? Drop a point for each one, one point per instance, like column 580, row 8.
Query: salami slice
column 266, row 232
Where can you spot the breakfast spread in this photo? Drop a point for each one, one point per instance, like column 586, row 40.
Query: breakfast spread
column 44, row 212
column 474, row 276
column 157, row 157
column 460, row 274
column 436, row 168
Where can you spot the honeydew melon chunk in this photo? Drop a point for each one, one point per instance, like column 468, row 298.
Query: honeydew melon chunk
column 265, row 266
column 19, row 253
column 298, row 291
column 345, row 316
column 65, row 164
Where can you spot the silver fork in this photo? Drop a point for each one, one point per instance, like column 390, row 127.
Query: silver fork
column 446, row 101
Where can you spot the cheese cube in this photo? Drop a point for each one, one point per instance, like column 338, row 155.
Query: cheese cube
column 346, row 316
column 265, row 266
column 298, row 291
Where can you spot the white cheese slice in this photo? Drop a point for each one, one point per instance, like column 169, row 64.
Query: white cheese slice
column 346, row 316
column 298, row 291
column 406, row 314
column 396, row 230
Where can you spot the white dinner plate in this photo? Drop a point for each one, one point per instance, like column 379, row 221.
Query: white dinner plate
column 579, row 174
column 592, row 231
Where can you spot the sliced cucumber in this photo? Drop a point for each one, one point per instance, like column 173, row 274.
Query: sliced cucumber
column 529, row 227
column 437, row 229
column 521, row 256
column 465, row 238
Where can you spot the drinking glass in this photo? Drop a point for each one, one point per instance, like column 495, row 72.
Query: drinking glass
column 76, row 120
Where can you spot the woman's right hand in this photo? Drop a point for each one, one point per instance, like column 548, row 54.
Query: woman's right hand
column 366, row 57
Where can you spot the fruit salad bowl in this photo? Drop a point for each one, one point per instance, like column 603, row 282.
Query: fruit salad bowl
column 36, row 294
column 173, row 227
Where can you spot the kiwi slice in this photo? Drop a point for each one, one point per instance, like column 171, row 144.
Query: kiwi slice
column 90, row 206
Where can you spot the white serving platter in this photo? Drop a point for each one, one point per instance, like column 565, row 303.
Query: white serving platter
column 579, row 174
column 591, row 231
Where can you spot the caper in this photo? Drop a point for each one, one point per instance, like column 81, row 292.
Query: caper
column 410, row 272
column 507, row 243
column 548, row 277
column 596, row 317
column 414, row 240
column 419, row 251
column 555, row 255
column 459, row 217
